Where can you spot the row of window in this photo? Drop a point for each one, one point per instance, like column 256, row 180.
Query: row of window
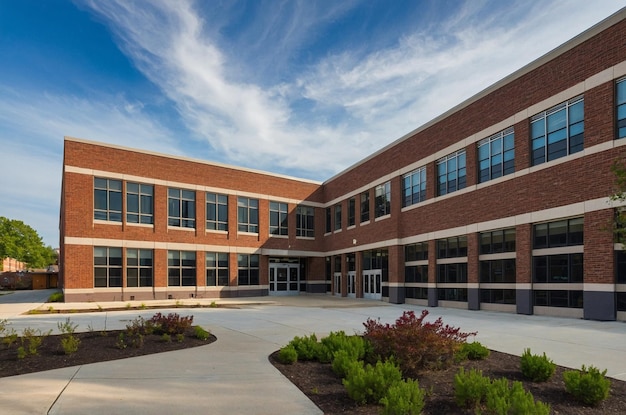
column 382, row 207
column 546, row 298
column 181, row 268
column 181, row 209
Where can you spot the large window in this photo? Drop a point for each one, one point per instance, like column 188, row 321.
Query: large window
column 620, row 267
column 139, row 203
column 416, row 273
column 247, row 215
column 497, row 271
column 416, row 252
column 453, row 247
column 558, row 298
column 498, row 296
column 383, row 199
column 414, row 184
column 565, row 232
column 139, row 268
column 107, row 199
column 496, row 156
column 451, row 172
column 337, row 217
column 365, row 206
column 555, row 269
column 328, row 220
column 452, row 273
column 621, row 108
column 495, row 242
column 216, row 269
column 351, row 211
column 452, row 294
column 107, row 267
column 558, row 131
column 278, row 218
column 216, row 212
column 248, row 269
column 181, row 208
column 305, row 221
column 181, row 268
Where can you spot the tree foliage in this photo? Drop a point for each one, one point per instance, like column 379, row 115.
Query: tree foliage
column 20, row 241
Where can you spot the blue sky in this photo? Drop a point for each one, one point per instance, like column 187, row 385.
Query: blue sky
column 304, row 88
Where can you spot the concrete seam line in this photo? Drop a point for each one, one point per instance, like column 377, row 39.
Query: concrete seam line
column 63, row 390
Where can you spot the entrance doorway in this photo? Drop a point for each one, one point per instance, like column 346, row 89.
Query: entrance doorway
column 284, row 278
column 372, row 284
column 352, row 284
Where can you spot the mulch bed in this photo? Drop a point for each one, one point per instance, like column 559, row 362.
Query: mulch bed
column 94, row 347
column 325, row 389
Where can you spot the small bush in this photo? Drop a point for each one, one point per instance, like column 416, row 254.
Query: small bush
column 470, row 388
column 536, row 368
column 414, row 343
column 307, row 347
column 589, row 386
column 201, row 333
column 403, row 398
column 21, row 352
column 68, row 327
column 70, row 344
column 502, row 399
column 343, row 362
column 370, row 383
column 166, row 338
column 31, row 339
column 288, row 355
column 120, row 343
column 10, row 337
column 472, row 351
column 171, row 324
column 335, row 341
column 56, row 298
column 180, row 337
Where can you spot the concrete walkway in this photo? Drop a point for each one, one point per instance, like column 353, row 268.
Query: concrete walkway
column 233, row 374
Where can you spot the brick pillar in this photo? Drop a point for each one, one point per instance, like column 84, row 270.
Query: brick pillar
column 523, row 267
column 233, row 267
column 344, row 275
column 316, row 275
column 473, row 291
column 433, row 299
column 396, row 274
column 522, row 148
column 359, row 274
column 599, row 266
column 160, row 273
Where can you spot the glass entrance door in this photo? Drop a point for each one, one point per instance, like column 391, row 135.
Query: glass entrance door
column 337, row 288
column 284, row 279
column 372, row 284
column 352, row 284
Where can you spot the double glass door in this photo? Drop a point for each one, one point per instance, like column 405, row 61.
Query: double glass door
column 284, row 279
column 372, row 284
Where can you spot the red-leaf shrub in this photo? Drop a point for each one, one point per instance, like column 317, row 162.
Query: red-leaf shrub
column 414, row 343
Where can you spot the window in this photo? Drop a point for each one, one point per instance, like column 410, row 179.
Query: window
column 558, row 131
column 420, row 293
column 337, row 217
column 139, row 267
column 216, row 212
column 620, row 267
column 495, row 242
column 451, row 173
column 351, row 211
column 565, row 268
column 453, row 247
column 566, row 232
column 248, row 269
column 305, row 221
column 452, row 273
column 497, row 296
column 328, row 220
column 107, row 199
column 414, row 187
column 365, row 206
column 383, row 200
column 181, row 268
column 181, row 208
column 621, row 108
column 139, row 203
column 496, row 156
column 558, row 298
column 416, row 252
column 216, row 269
column 416, row 273
column 278, row 218
column 107, row 267
column 497, row 271
column 247, row 215
column 452, row 294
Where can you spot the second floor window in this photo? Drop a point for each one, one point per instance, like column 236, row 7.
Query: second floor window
column 365, row 206
column 558, row 131
column 337, row 217
column 383, row 199
column 278, row 218
column 305, row 221
column 328, row 220
column 451, row 172
column 621, row 108
column 181, row 205
column 139, row 203
column 247, row 215
column 351, row 211
column 107, row 199
column 216, row 212
column 496, row 156
column 414, row 187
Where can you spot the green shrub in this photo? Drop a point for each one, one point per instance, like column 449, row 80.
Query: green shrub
column 288, row 355
column 171, row 324
column 343, row 362
column 10, row 337
column 470, row 388
column 589, row 386
column 335, row 341
column 370, row 383
column 120, row 343
column 70, row 344
column 502, row 399
column 31, row 339
column 536, row 368
column 21, row 352
column 472, row 351
column 307, row 347
column 166, row 337
column 201, row 333
column 403, row 398
column 414, row 343
column 56, row 298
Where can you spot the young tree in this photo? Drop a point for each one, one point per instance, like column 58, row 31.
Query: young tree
column 20, row 241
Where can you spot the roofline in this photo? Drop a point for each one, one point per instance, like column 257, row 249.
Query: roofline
column 190, row 159
column 615, row 18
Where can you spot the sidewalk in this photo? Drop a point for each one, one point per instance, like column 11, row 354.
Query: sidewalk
column 233, row 374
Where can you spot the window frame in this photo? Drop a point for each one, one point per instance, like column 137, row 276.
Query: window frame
column 106, row 211
column 305, row 221
column 451, row 165
column 181, row 268
column 247, row 273
column 351, row 212
column 181, row 208
column 498, row 151
column 112, row 266
column 337, row 214
column 247, row 214
column 145, row 203
column 414, row 187
column 365, row 206
column 620, row 108
column 382, row 196
column 216, row 217
column 141, row 280
column 279, row 224
column 218, row 267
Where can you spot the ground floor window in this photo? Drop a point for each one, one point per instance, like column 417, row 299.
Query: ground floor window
column 497, row 296
column 452, row 273
column 139, row 268
column 452, row 294
column 565, row 268
column 419, row 293
column 248, row 269
column 621, row 301
column 216, row 269
column 499, row 270
column 181, row 268
column 107, row 267
column 416, row 273
column 558, row 298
